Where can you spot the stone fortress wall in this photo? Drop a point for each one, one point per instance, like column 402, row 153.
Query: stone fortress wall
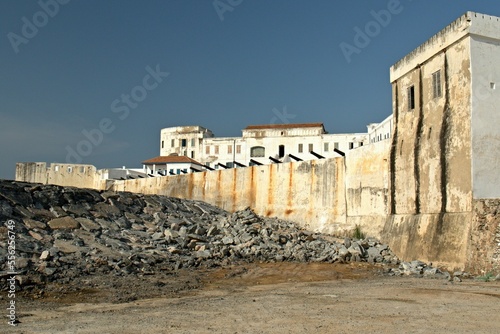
column 431, row 190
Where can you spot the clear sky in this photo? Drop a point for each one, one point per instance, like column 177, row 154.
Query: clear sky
column 95, row 81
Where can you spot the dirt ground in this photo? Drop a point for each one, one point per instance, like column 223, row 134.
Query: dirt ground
column 261, row 298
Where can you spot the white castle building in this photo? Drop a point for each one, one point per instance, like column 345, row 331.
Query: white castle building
column 259, row 144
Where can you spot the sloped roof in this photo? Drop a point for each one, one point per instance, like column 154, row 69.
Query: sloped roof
column 170, row 159
column 284, row 126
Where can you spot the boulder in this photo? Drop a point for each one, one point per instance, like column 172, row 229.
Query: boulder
column 63, row 223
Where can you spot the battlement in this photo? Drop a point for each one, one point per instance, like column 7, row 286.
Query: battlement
column 469, row 24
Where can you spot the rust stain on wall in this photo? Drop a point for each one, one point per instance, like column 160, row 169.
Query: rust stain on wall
column 234, row 193
column 270, row 191
column 190, row 185
column 252, row 191
column 289, row 203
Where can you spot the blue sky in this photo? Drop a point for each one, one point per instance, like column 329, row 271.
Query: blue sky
column 101, row 78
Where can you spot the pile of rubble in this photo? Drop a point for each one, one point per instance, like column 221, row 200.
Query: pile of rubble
column 63, row 232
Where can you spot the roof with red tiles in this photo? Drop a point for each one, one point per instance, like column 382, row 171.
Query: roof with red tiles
column 169, row 159
column 284, row 126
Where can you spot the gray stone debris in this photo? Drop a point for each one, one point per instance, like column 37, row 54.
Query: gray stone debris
column 65, row 232
column 421, row 269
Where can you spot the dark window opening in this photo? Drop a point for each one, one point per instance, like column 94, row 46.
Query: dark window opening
column 436, row 84
column 411, row 98
column 183, row 142
column 281, row 152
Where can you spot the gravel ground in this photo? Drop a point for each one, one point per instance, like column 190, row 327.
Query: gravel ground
column 261, row 298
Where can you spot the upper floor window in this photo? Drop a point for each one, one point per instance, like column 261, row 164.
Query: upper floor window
column 216, row 149
column 207, row 149
column 411, row 98
column 325, row 147
column 436, row 84
column 311, row 147
column 172, row 143
column 183, row 142
column 257, row 151
column 192, row 142
column 301, row 148
column 229, row 149
column 238, row 149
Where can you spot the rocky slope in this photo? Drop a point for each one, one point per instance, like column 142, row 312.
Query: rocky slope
column 59, row 233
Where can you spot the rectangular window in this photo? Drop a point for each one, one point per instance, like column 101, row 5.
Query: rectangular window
column 229, row 149
column 216, row 149
column 229, row 165
column 325, row 147
column 311, row 148
column 207, row 149
column 185, row 153
column 207, row 164
column 192, row 154
column 162, row 144
column 82, row 169
column 192, row 142
column 238, row 149
column 281, row 151
column 183, row 142
column 351, row 145
column 178, row 171
column 300, row 148
column 436, row 84
column 411, row 98
column 336, row 145
column 172, row 144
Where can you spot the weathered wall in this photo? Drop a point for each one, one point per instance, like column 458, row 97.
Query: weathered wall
column 430, row 160
column 484, row 241
column 367, row 178
column 486, row 116
column 82, row 176
column 437, row 238
column 310, row 193
column 430, row 157
column 35, row 172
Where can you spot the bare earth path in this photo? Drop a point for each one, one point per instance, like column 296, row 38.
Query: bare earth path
column 269, row 298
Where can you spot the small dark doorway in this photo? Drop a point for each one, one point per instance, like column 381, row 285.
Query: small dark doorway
column 281, row 152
